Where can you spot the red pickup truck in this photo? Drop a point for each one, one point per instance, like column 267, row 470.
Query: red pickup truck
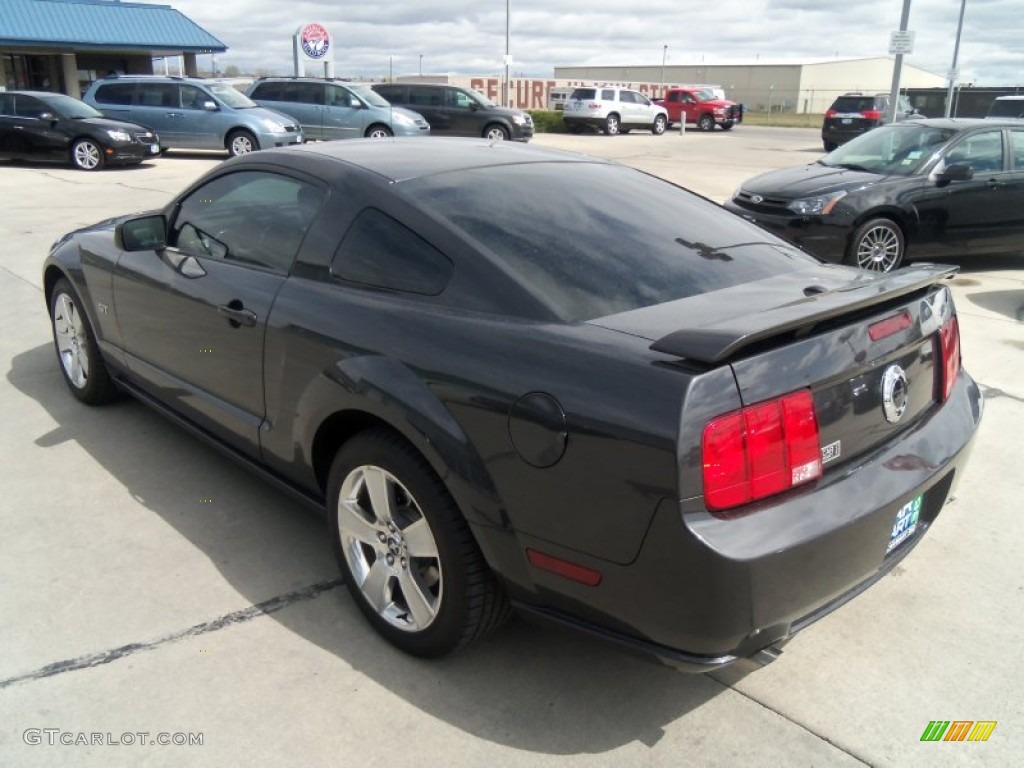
column 700, row 106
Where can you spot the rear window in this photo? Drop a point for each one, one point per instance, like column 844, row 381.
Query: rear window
column 589, row 240
column 584, row 93
column 853, row 103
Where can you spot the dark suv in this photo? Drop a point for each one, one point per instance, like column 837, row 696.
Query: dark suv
column 455, row 111
column 855, row 113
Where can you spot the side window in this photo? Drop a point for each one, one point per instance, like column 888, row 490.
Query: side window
column 6, row 104
column 1017, row 148
column 26, row 106
column 192, row 97
column 158, row 95
column 268, row 91
column 340, row 97
column 393, row 93
column 674, row 96
column 608, row 94
column 379, row 252
column 115, row 93
column 251, row 217
column 310, row 93
column 458, row 99
column 982, row 152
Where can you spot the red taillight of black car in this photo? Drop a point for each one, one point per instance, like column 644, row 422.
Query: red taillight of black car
column 760, row 450
column 871, row 114
column 949, row 337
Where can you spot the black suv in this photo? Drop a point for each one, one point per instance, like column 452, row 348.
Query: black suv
column 855, row 113
column 455, row 111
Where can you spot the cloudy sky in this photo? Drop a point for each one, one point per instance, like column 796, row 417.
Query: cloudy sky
column 468, row 36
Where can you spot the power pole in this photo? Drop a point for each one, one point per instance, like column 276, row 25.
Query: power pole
column 508, row 47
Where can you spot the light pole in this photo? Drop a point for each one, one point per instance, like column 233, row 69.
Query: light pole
column 894, row 91
column 664, row 55
column 956, row 54
column 421, row 65
column 508, row 47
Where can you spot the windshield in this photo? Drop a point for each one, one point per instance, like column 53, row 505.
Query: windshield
column 593, row 239
column 705, row 95
column 370, row 96
column 482, row 100
column 231, row 96
column 68, row 107
column 898, row 150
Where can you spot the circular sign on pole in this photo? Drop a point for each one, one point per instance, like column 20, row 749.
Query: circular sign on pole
column 315, row 41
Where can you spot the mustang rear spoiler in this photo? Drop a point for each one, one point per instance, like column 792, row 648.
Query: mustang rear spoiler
column 720, row 341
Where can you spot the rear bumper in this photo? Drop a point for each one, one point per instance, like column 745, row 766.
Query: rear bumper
column 826, row 239
column 704, row 592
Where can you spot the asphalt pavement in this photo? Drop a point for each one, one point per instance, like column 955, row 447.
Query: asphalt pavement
column 152, row 591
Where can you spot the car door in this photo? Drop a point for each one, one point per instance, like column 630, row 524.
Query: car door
column 464, row 116
column 198, row 125
column 115, row 100
column 430, row 102
column 344, row 114
column 158, row 107
column 305, row 102
column 33, row 135
column 193, row 315
column 10, row 129
column 979, row 211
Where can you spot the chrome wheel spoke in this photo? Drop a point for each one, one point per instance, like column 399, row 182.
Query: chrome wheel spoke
column 420, row 605
column 351, row 522
column 381, row 493
column 419, row 542
column 376, row 586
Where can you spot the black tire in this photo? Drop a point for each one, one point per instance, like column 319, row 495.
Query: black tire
column 705, row 123
column 468, row 602
column 496, row 132
column 87, row 155
column 611, row 125
column 727, row 125
column 241, row 142
column 829, row 145
column 379, row 131
column 78, row 354
column 659, row 125
column 878, row 245
column 624, row 131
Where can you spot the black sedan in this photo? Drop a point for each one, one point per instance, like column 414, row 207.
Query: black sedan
column 522, row 378
column 930, row 189
column 37, row 125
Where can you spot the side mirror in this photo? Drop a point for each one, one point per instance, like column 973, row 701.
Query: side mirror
column 47, row 116
column 210, row 106
column 143, row 233
column 955, row 172
column 474, row 106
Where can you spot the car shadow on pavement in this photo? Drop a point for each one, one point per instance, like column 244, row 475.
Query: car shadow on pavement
column 529, row 686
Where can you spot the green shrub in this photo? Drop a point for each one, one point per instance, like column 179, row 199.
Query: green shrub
column 547, row 121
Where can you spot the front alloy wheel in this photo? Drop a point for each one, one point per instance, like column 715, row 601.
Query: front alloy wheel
column 611, row 125
column 79, row 356
column 659, row 126
column 87, row 155
column 878, row 246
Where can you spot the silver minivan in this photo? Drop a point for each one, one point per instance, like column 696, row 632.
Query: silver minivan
column 190, row 113
column 331, row 109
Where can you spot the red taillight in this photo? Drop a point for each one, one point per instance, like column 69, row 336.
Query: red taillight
column 871, row 114
column 950, row 336
column 830, row 113
column 760, row 450
column 889, row 326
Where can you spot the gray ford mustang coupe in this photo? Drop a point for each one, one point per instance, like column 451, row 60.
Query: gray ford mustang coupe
column 518, row 378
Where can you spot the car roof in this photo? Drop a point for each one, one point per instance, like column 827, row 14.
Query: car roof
column 404, row 159
column 1010, row 98
column 956, row 123
column 37, row 94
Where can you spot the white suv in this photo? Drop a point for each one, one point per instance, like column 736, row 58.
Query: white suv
column 613, row 110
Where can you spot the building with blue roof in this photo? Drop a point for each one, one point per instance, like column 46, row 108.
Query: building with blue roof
column 63, row 45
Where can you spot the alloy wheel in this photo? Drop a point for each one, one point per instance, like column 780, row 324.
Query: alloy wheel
column 879, row 248
column 72, row 345
column 87, row 155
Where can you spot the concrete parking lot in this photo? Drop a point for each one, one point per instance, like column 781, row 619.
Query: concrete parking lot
column 151, row 586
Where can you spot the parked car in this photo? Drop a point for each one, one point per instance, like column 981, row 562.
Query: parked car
column 701, row 106
column 38, row 125
column 930, row 188
column 455, row 111
column 329, row 110
column 190, row 113
column 855, row 113
column 613, row 111
column 1007, row 107
column 693, row 446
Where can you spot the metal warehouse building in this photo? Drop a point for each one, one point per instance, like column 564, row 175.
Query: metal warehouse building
column 803, row 86
column 63, row 45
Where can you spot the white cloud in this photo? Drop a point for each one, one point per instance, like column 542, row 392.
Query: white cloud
column 468, row 36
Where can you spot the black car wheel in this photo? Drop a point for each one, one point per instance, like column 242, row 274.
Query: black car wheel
column 727, row 125
column 408, row 556
column 378, row 132
column 706, row 123
column 87, row 155
column 242, row 142
column 877, row 245
column 830, row 145
column 659, row 125
column 496, row 132
column 77, row 351
column 611, row 124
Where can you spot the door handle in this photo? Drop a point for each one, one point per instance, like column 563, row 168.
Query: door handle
column 237, row 316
